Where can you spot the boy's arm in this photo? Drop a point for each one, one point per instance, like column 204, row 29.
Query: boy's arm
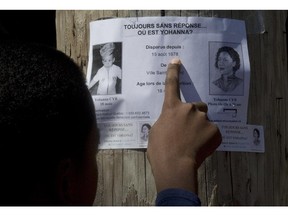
column 181, row 138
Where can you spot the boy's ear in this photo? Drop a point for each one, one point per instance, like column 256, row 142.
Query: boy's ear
column 66, row 190
column 113, row 59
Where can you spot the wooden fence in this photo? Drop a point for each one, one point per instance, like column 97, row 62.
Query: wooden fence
column 225, row 178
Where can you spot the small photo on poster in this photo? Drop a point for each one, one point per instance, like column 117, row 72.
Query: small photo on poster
column 144, row 132
column 106, row 74
column 226, row 69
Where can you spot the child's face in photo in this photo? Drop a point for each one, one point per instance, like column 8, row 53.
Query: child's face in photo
column 108, row 61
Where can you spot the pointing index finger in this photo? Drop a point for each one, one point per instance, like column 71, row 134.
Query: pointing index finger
column 172, row 91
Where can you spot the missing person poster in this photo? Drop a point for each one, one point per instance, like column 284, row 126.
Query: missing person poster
column 128, row 58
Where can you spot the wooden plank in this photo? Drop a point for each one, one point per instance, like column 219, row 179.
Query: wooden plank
column 205, row 13
column 172, row 13
column 284, row 147
column 191, row 13
column 134, row 187
column 279, row 85
column 275, row 105
column 271, row 87
column 150, row 184
column 100, row 188
column 224, row 191
column 108, row 177
column 255, row 116
column 222, row 13
column 117, row 178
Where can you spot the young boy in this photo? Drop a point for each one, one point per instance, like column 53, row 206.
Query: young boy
column 48, row 131
column 49, row 135
column 108, row 74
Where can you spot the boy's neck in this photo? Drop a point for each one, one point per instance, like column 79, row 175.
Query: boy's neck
column 107, row 68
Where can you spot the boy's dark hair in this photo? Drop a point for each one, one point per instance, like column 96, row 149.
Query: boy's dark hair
column 46, row 114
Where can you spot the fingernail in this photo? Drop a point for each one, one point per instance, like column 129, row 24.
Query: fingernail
column 175, row 61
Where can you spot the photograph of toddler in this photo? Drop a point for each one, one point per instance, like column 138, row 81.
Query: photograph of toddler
column 107, row 80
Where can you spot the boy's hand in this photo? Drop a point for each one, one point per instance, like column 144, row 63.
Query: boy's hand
column 181, row 138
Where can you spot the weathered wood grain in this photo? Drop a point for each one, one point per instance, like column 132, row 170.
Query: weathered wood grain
column 226, row 178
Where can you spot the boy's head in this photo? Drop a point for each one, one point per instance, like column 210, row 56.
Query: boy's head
column 107, row 55
column 48, row 133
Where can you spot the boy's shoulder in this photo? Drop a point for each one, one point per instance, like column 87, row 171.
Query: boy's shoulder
column 116, row 67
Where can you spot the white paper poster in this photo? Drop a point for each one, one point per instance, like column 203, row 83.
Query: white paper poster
column 128, row 60
column 242, row 138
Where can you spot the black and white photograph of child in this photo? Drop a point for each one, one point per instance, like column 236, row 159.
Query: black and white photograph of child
column 106, row 73
column 226, row 73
